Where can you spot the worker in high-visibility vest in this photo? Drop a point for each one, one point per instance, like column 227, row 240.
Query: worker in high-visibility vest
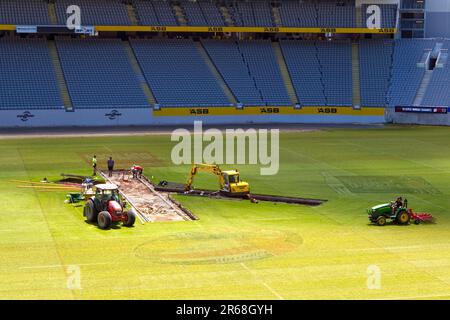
column 94, row 165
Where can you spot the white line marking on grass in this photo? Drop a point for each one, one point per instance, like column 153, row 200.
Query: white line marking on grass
column 261, row 281
column 63, row 265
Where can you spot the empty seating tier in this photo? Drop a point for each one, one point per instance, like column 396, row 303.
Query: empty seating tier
column 177, row 73
column 27, row 77
column 98, row 74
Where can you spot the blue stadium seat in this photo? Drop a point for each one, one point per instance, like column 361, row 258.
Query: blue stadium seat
column 438, row 92
column 98, row 74
column 406, row 74
column 375, row 61
column 30, row 12
column 27, row 77
column 158, row 12
column 177, row 73
column 250, row 70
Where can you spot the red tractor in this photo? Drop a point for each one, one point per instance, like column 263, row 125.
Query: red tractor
column 106, row 208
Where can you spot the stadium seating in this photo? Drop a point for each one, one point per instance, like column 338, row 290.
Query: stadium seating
column 321, row 72
column 335, row 62
column 297, row 14
column 293, row 13
column 406, row 74
column 98, row 74
column 27, row 77
column 157, row 12
column 336, row 15
column 305, row 71
column 438, row 92
column 23, row 12
column 250, row 70
column 99, row 12
column 177, row 73
column 375, row 61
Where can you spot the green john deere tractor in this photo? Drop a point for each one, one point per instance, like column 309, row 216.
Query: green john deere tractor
column 380, row 214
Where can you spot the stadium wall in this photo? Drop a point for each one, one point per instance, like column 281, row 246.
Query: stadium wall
column 437, row 19
column 434, row 119
column 174, row 116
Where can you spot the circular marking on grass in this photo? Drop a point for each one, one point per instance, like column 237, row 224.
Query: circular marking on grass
column 218, row 247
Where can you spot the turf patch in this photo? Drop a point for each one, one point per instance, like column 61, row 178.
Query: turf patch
column 387, row 184
column 218, row 247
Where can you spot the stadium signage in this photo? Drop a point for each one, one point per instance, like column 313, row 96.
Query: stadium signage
column 267, row 111
column 26, row 29
column 270, row 110
column 327, row 110
column 114, row 114
column 158, row 29
column 201, row 111
column 25, row 116
column 439, row 110
column 214, row 29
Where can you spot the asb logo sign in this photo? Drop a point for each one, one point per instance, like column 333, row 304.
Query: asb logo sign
column 25, row 116
column 114, row 114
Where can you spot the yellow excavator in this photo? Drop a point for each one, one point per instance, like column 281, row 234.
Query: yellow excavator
column 229, row 181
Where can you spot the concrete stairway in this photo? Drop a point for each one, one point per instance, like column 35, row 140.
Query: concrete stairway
column 179, row 14
column 138, row 71
column 132, row 14
column 62, row 85
column 226, row 15
column 423, row 88
column 359, row 17
column 276, row 16
column 356, row 75
column 216, row 73
column 285, row 73
column 52, row 12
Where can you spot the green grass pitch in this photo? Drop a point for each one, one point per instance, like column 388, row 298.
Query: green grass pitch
column 236, row 250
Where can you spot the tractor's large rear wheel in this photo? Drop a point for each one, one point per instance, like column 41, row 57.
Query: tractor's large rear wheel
column 130, row 218
column 104, row 220
column 90, row 212
column 403, row 218
column 381, row 221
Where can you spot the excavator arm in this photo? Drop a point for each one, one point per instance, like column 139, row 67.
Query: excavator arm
column 212, row 168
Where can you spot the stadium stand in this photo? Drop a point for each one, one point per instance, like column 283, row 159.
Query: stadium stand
column 406, row 75
column 177, row 73
column 375, row 62
column 305, row 72
column 27, row 77
column 250, row 70
column 194, row 13
column 98, row 74
column 99, row 12
column 294, row 13
column 321, row 72
column 155, row 13
column 23, row 12
column 438, row 93
column 335, row 62
column 212, row 13
column 336, row 14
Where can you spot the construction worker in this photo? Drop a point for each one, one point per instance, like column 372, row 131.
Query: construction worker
column 136, row 171
column 94, row 165
column 110, row 166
